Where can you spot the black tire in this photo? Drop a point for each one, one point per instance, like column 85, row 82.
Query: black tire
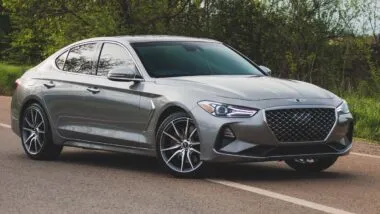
column 45, row 149
column 305, row 165
column 163, row 142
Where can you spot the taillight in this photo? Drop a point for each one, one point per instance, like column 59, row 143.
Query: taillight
column 17, row 83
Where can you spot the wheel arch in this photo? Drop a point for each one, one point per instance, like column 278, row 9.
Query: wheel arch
column 30, row 100
column 168, row 110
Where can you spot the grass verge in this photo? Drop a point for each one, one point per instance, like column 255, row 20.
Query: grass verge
column 8, row 75
column 366, row 112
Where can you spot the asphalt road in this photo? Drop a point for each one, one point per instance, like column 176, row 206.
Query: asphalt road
column 83, row 181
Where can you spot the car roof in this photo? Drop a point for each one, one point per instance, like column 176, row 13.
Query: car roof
column 149, row 38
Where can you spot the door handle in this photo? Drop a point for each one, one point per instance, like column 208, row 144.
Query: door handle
column 49, row 84
column 93, row 90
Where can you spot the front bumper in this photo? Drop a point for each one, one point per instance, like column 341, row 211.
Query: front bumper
column 254, row 141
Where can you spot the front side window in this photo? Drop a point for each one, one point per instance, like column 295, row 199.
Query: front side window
column 80, row 59
column 172, row 59
column 111, row 57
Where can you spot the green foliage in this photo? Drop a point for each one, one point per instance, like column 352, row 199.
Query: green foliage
column 40, row 27
column 309, row 40
column 4, row 31
column 8, row 75
column 367, row 117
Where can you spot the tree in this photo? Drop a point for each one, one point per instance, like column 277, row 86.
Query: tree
column 312, row 40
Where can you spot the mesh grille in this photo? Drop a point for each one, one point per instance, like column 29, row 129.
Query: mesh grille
column 301, row 125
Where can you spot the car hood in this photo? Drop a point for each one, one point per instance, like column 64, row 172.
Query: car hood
column 250, row 87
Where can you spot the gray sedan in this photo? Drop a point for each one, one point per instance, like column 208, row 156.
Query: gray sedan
column 186, row 101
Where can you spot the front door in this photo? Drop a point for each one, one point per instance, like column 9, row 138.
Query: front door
column 114, row 106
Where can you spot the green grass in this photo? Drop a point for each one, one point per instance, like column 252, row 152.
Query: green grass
column 366, row 112
column 8, row 75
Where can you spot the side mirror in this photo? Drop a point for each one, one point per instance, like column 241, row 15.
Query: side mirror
column 266, row 70
column 126, row 74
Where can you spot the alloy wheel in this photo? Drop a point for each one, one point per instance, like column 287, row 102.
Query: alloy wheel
column 33, row 131
column 180, row 145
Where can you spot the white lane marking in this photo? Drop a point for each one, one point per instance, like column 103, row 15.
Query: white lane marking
column 281, row 197
column 275, row 195
column 365, row 155
column 5, row 125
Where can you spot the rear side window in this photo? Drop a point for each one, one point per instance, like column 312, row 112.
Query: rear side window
column 113, row 56
column 60, row 61
column 80, row 59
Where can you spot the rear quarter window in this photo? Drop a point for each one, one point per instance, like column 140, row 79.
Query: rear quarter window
column 60, row 61
column 81, row 59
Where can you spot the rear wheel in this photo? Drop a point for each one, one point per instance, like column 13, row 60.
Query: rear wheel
column 178, row 145
column 311, row 164
column 36, row 134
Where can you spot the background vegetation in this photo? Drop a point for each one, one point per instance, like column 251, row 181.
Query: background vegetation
column 331, row 43
column 8, row 76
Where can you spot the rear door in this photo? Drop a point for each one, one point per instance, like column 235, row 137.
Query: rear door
column 66, row 88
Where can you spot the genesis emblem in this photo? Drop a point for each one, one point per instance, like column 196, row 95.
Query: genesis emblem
column 297, row 100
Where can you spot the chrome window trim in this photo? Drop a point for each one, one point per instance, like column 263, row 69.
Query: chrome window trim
column 60, row 52
column 59, row 55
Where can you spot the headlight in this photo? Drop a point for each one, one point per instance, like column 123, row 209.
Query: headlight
column 343, row 108
column 226, row 110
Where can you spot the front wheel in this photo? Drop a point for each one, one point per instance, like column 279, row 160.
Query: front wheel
column 311, row 164
column 178, row 145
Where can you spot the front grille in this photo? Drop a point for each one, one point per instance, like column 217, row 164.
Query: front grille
column 301, row 124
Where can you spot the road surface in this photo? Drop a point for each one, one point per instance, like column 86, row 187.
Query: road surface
column 83, row 181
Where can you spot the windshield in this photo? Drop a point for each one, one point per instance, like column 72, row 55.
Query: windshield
column 172, row 59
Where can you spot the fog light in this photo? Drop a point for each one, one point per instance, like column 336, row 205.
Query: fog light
column 228, row 133
column 226, row 136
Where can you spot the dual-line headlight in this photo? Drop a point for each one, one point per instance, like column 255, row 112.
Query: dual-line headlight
column 343, row 108
column 226, row 110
